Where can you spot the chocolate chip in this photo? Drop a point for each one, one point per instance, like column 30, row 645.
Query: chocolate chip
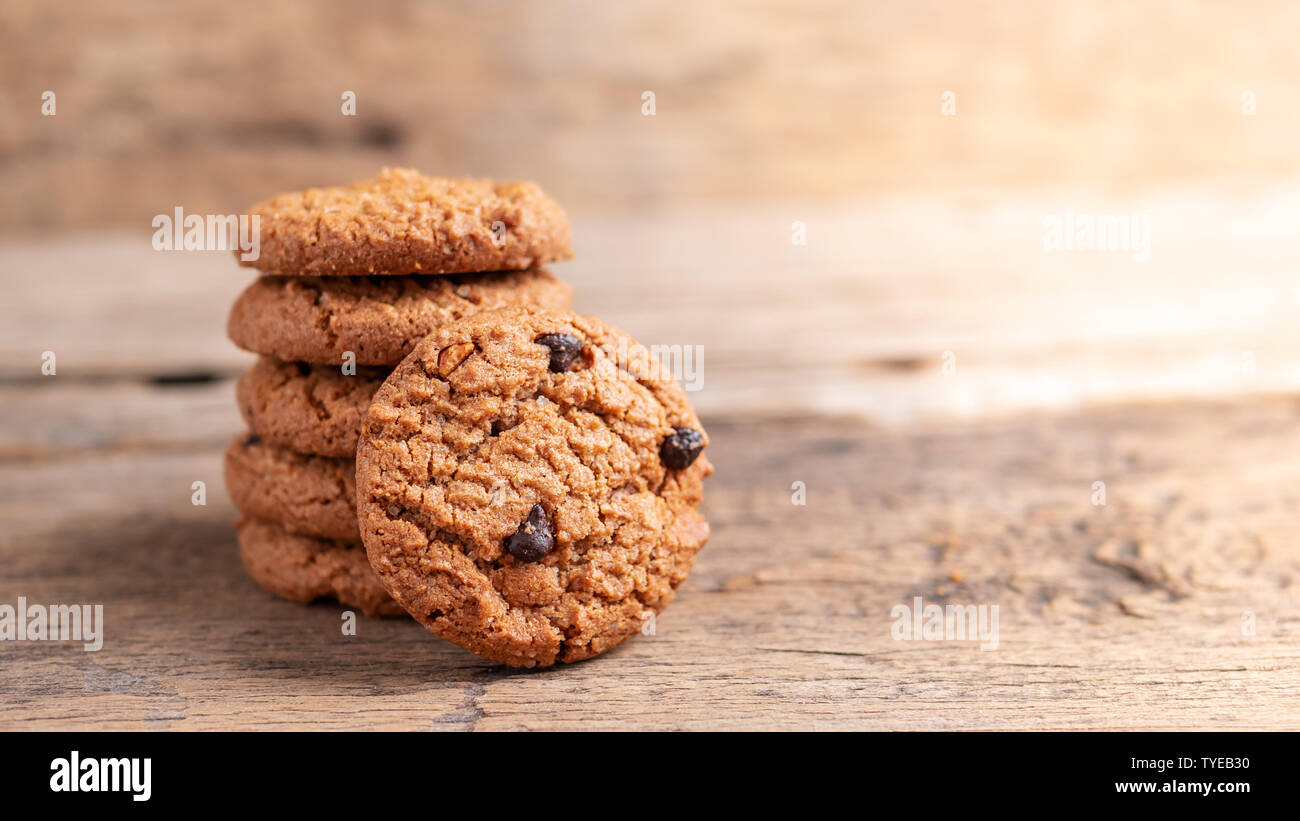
column 681, row 448
column 252, row 439
column 533, row 539
column 565, row 349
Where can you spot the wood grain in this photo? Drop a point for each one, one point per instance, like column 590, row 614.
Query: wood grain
column 857, row 322
column 822, row 366
column 1173, row 379
column 1123, row 616
column 771, row 102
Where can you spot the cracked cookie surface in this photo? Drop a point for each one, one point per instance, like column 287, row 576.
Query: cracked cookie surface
column 512, row 493
column 310, row 495
column 379, row 320
column 313, row 409
column 403, row 222
column 304, row 568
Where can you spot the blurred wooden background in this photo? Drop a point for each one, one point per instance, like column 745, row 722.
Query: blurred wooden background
column 1172, row 379
column 213, row 105
column 925, row 231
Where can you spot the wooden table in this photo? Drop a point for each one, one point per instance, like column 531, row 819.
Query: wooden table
column 823, row 365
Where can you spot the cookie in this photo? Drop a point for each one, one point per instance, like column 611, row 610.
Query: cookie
column 379, row 320
column 309, row 495
column 314, row 409
column 527, row 485
column 304, row 569
column 403, row 222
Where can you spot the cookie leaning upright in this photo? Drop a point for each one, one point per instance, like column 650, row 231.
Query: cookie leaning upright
column 405, row 223
column 528, row 484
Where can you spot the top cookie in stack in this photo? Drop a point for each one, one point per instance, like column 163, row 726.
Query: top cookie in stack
column 405, row 223
column 352, row 278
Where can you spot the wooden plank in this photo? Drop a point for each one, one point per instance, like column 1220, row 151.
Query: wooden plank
column 1170, row 378
column 59, row 417
column 1122, row 616
column 223, row 113
column 856, row 322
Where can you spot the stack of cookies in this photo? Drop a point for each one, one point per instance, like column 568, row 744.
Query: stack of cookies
column 432, row 432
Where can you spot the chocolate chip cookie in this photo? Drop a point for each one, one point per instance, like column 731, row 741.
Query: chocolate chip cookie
column 310, row 495
column 319, row 319
column 304, row 569
column 527, row 485
column 313, row 409
column 405, row 223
